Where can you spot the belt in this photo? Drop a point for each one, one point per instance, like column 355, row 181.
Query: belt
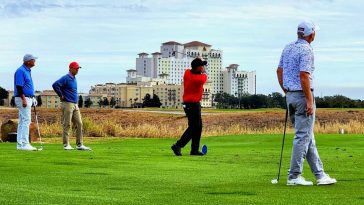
column 295, row 91
column 27, row 96
column 191, row 104
column 68, row 102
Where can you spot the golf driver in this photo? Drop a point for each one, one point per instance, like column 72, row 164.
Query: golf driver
column 188, row 55
column 40, row 138
column 275, row 181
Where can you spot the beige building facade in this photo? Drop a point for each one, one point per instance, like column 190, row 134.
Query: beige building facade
column 174, row 58
column 125, row 95
column 132, row 95
column 50, row 99
column 169, row 95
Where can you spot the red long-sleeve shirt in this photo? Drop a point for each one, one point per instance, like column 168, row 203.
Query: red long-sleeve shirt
column 193, row 86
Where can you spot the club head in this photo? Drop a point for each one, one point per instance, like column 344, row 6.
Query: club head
column 274, row 181
column 40, row 149
column 204, row 149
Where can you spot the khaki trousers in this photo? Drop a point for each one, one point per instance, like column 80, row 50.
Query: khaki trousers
column 71, row 114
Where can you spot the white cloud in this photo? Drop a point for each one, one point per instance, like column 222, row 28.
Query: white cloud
column 109, row 34
column 21, row 8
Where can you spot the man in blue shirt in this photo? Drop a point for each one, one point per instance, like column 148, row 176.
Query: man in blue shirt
column 24, row 100
column 66, row 89
column 295, row 76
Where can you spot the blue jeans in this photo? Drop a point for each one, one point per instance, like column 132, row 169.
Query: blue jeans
column 304, row 145
column 24, row 121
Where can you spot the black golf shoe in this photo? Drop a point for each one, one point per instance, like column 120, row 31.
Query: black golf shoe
column 176, row 150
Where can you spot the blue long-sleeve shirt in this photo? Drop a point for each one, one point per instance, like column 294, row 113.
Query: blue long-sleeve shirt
column 66, row 86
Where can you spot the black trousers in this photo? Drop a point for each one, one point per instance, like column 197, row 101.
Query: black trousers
column 194, row 130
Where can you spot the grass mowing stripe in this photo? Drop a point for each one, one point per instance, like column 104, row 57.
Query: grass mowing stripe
column 237, row 170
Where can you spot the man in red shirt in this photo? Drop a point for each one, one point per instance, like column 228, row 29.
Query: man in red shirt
column 193, row 81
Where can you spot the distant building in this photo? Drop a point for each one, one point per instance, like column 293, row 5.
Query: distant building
column 238, row 83
column 174, row 58
column 169, row 95
column 132, row 95
column 125, row 95
column 134, row 78
column 95, row 99
column 50, row 99
column 168, row 66
column 207, row 95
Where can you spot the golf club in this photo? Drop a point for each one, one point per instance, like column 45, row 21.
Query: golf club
column 40, row 138
column 188, row 55
column 275, row 181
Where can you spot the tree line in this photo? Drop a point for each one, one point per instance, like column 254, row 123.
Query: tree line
column 277, row 100
column 148, row 101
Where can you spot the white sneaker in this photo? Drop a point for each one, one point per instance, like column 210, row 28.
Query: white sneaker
column 326, row 180
column 18, row 146
column 83, row 147
column 27, row 147
column 299, row 181
column 68, row 147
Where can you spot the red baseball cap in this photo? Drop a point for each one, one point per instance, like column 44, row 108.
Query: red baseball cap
column 74, row 65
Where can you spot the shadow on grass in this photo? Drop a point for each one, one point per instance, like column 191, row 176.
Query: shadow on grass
column 351, row 180
column 64, row 163
column 97, row 173
column 244, row 193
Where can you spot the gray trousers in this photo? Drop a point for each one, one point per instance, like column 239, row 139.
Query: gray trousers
column 304, row 145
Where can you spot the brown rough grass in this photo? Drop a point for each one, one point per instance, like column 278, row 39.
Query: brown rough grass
column 119, row 123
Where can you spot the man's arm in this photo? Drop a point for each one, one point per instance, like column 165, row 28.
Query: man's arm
column 306, row 87
column 19, row 83
column 201, row 78
column 21, row 94
column 280, row 78
column 57, row 87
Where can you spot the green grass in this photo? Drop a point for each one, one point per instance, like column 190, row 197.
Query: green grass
column 237, row 170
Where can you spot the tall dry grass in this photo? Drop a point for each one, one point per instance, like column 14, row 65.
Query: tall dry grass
column 351, row 127
column 150, row 130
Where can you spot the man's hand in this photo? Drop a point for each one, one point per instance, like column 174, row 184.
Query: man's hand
column 309, row 107
column 280, row 78
column 24, row 102
column 305, row 83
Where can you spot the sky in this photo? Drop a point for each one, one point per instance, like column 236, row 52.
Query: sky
column 106, row 36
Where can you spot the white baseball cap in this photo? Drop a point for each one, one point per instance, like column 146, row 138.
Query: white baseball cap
column 307, row 28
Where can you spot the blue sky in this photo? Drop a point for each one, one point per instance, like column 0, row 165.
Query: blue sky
column 106, row 36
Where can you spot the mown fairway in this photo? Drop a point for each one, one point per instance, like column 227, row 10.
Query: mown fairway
column 237, row 170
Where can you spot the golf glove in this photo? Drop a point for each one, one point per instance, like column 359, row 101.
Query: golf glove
column 34, row 101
